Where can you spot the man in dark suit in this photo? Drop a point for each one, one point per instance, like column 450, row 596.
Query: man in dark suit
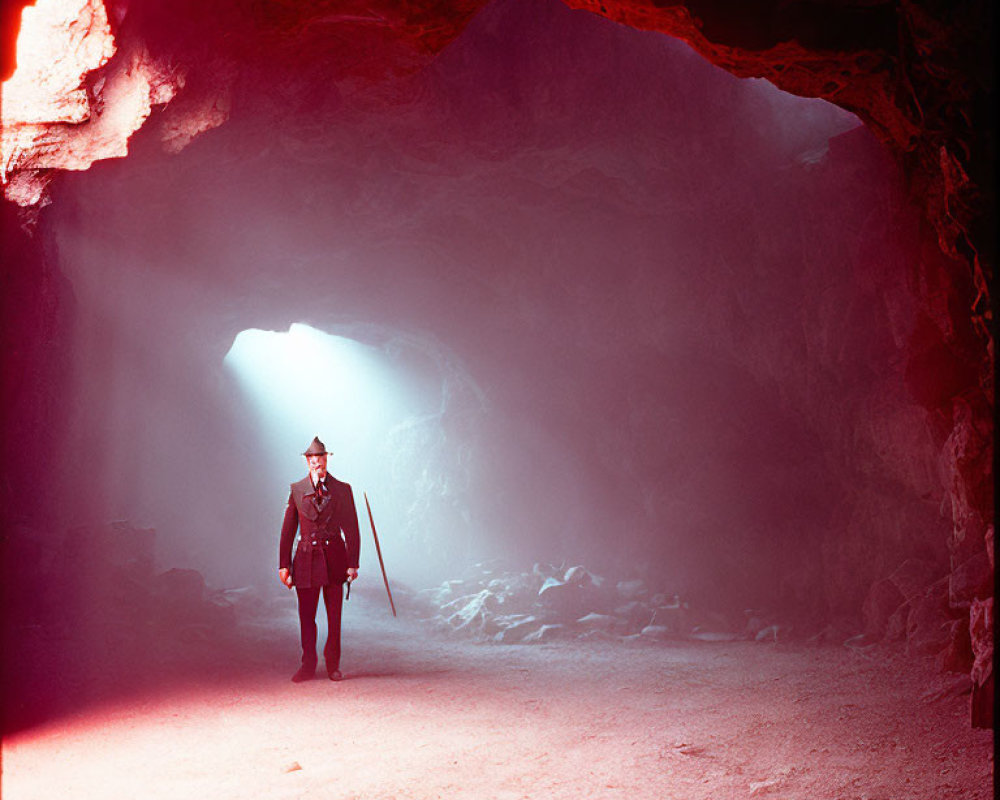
column 322, row 509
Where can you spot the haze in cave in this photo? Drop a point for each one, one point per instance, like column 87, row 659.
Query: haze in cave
column 630, row 357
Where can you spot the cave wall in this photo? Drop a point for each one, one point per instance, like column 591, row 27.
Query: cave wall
column 885, row 308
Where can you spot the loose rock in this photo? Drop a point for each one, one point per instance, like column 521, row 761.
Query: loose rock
column 546, row 634
column 631, row 590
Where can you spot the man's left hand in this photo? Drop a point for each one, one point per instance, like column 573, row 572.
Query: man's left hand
column 352, row 574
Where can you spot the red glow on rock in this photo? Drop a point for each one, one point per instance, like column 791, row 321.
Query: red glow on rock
column 76, row 97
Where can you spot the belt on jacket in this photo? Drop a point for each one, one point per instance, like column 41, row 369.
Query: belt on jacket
column 319, row 541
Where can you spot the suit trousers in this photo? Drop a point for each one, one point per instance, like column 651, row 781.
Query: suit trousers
column 333, row 599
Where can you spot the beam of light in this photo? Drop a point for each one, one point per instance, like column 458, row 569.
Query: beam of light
column 358, row 400
column 305, row 383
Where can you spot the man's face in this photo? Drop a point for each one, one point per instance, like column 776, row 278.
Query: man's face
column 317, row 465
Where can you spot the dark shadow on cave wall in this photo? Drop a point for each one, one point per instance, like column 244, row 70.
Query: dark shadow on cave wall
column 665, row 309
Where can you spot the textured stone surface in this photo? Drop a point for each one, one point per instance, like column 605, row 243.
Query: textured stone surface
column 883, row 599
column 67, row 112
column 981, row 622
column 896, row 629
column 917, row 73
column 494, row 606
column 60, row 43
column 957, row 655
column 967, row 467
column 982, row 633
column 913, row 577
column 928, row 622
column 904, row 69
column 599, row 622
column 546, row 633
column 971, row 580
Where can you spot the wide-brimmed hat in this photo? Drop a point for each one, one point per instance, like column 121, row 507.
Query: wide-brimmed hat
column 317, row 448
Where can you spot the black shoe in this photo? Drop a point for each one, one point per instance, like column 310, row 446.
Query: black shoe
column 304, row 674
column 336, row 675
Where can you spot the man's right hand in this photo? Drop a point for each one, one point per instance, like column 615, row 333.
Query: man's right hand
column 285, row 577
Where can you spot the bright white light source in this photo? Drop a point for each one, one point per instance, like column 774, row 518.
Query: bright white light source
column 306, row 383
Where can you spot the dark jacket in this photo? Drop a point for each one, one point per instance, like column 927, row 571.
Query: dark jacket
column 329, row 541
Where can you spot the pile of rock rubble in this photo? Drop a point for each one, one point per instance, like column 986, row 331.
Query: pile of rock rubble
column 111, row 592
column 551, row 602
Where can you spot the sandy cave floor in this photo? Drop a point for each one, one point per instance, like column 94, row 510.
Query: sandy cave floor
column 423, row 716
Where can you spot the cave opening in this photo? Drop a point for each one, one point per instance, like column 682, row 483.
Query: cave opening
column 305, row 380
column 379, row 407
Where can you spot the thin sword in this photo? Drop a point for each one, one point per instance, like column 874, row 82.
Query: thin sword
column 378, row 550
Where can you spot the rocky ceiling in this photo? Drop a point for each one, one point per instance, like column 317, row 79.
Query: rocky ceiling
column 918, row 73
